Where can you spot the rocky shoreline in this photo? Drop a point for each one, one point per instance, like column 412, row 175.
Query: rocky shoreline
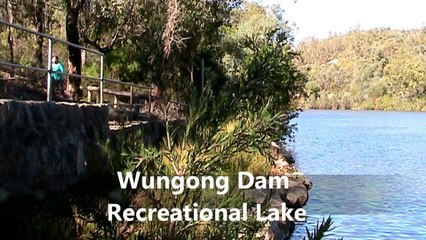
column 296, row 196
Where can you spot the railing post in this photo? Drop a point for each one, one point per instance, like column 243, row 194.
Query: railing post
column 131, row 94
column 149, row 102
column 101, row 83
column 49, row 74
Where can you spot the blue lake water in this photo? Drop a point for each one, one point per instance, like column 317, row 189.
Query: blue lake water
column 369, row 172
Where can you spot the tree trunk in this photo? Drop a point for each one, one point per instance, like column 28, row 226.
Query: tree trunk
column 39, row 22
column 73, row 36
column 10, row 38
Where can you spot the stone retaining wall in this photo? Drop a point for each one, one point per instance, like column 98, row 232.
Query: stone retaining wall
column 45, row 146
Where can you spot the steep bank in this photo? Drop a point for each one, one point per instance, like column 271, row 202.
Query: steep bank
column 295, row 197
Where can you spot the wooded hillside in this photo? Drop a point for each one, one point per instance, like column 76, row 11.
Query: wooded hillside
column 375, row 69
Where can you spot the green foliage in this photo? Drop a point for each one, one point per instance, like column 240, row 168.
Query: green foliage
column 106, row 25
column 245, row 103
column 259, row 60
column 375, row 69
column 321, row 230
column 203, row 147
column 136, row 34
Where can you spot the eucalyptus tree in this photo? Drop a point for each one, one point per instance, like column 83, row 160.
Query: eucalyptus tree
column 176, row 35
column 101, row 24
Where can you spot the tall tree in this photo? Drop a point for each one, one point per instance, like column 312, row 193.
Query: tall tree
column 10, row 36
column 73, row 8
column 106, row 25
column 39, row 22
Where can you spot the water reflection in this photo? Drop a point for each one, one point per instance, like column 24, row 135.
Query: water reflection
column 369, row 170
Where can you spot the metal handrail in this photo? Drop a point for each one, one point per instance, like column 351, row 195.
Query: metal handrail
column 22, row 66
column 74, row 75
column 48, row 36
column 127, row 83
column 88, row 77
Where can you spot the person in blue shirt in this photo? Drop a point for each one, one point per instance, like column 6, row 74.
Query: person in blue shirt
column 56, row 74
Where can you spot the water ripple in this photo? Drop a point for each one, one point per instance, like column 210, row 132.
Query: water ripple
column 368, row 172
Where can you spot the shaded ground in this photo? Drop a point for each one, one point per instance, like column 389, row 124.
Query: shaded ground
column 21, row 89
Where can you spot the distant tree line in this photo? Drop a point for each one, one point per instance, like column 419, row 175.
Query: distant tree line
column 375, row 69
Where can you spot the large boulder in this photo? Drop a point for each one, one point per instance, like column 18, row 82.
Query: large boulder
column 297, row 195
